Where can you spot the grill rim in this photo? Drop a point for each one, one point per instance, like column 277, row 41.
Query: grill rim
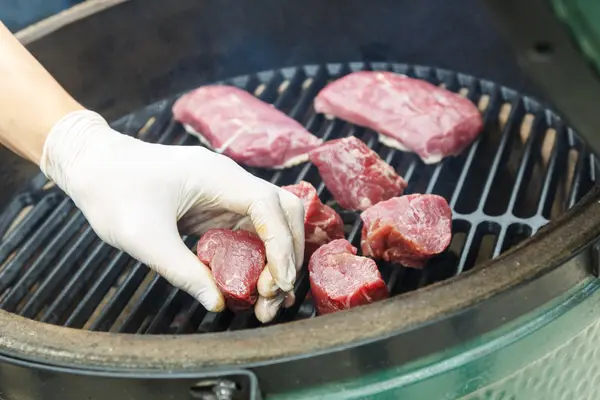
column 28, row 340
column 537, row 257
column 47, row 346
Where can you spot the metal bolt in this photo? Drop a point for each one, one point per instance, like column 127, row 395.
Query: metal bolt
column 224, row 390
column 211, row 390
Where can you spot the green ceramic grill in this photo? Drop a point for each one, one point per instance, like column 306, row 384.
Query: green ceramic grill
column 510, row 311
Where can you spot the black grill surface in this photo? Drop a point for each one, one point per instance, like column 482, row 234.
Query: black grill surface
column 525, row 169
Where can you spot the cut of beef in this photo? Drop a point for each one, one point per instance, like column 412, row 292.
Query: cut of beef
column 409, row 114
column 233, row 122
column 321, row 223
column 354, row 174
column 339, row 279
column 236, row 259
column 407, row 230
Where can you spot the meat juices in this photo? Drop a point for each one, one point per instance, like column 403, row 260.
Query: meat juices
column 354, row 174
column 321, row 223
column 409, row 114
column 236, row 259
column 407, row 230
column 233, row 122
column 339, row 279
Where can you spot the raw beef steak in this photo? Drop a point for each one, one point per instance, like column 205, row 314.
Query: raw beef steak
column 236, row 259
column 354, row 174
column 409, row 114
column 407, row 230
column 339, row 279
column 233, row 122
column 321, row 223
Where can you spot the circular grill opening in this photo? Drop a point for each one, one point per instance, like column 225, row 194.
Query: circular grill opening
column 525, row 169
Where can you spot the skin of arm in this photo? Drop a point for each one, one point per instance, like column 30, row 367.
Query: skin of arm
column 31, row 101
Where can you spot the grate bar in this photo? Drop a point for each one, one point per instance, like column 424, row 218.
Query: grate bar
column 119, row 294
column 76, row 284
column 191, row 319
column 216, row 322
column 304, row 102
column 301, row 289
column 41, row 263
column 464, row 255
column 63, row 267
column 12, row 211
column 574, row 193
column 284, row 97
column 247, row 319
column 27, row 225
column 492, row 109
column 166, row 313
column 150, row 300
column 499, row 242
column 11, row 270
column 117, row 302
column 551, row 178
column 508, row 133
column 292, row 86
column 435, row 176
column 525, row 164
column 97, row 292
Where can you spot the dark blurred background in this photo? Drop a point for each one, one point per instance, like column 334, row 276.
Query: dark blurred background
column 457, row 35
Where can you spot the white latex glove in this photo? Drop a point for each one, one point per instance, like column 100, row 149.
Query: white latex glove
column 139, row 197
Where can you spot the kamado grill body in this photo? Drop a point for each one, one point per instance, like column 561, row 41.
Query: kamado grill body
column 511, row 311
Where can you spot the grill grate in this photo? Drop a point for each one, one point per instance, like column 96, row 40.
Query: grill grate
column 525, row 169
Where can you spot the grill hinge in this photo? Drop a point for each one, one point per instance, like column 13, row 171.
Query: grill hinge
column 227, row 385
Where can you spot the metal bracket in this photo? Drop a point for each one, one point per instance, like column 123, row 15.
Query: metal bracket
column 231, row 385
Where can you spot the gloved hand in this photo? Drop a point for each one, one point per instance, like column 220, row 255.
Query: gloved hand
column 139, row 197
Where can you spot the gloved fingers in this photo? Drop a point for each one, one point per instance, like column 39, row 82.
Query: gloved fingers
column 294, row 212
column 270, row 223
column 198, row 223
column 266, row 309
column 290, row 299
column 293, row 209
column 244, row 224
column 166, row 253
column 268, row 290
column 267, row 287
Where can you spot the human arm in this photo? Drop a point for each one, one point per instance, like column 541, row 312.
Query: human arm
column 138, row 196
column 31, row 101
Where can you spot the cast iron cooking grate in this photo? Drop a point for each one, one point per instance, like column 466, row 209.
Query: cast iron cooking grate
column 525, row 169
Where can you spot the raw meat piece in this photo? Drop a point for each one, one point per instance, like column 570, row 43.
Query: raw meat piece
column 409, row 114
column 321, row 223
column 339, row 279
column 407, row 230
column 354, row 174
column 236, row 259
column 233, row 122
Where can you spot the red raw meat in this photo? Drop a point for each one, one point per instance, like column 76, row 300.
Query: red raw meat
column 339, row 279
column 236, row 259
column 321, row 223
column 354, row 174
column 407, row 230
column 233, row 122
column 409, row 114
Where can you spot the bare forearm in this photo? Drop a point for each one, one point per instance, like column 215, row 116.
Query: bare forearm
column 31, row 101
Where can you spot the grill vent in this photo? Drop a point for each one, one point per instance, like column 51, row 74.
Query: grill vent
column 525, row 169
